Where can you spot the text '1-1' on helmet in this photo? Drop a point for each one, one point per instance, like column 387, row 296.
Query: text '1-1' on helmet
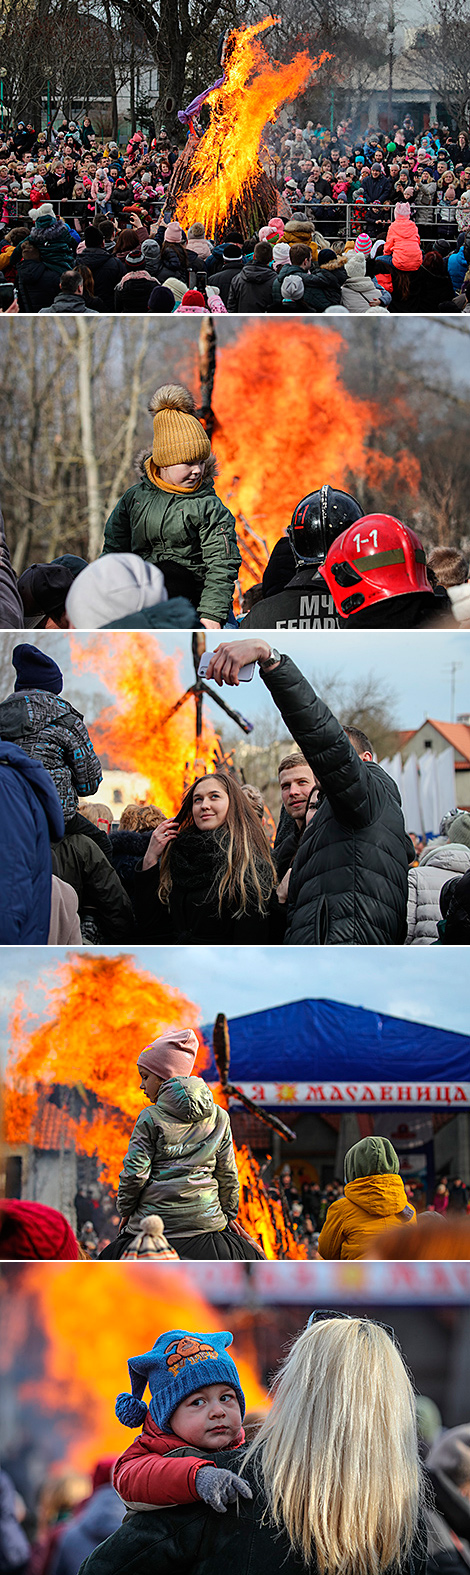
column 317, row 520
column 378, row 559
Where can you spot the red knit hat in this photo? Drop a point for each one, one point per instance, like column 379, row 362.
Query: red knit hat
column 193, row 298
column 31, row 1230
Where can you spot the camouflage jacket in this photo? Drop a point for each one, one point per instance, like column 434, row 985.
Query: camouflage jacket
column 180, row 1162
column 53, row 732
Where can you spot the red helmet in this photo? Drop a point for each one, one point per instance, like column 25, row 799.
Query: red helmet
column 376, row 558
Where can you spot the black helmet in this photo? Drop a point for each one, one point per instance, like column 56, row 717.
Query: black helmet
column 317, row 520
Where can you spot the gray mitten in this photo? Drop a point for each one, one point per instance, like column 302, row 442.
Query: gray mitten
column 219, row 1488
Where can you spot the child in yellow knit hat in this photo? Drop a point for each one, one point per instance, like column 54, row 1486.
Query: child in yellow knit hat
column 173, row 517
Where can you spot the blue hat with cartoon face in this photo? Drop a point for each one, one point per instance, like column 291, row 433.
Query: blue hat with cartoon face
column 179, row 1363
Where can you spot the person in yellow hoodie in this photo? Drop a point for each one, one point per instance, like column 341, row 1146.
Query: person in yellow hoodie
column 374, row 1200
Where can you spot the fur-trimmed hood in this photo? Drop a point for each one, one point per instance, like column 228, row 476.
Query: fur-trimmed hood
column 211, row 467
column 339, row 262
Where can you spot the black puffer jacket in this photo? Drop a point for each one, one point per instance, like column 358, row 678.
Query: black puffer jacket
column 191, row 1539
column 53, row 732
column 349, row 879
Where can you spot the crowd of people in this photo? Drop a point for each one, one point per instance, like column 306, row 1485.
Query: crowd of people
column 341, row 870
column 204, row 1479
column 372, row 1186
column 364, row 222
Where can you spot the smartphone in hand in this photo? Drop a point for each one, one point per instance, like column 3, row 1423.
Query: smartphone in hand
column 245, row 675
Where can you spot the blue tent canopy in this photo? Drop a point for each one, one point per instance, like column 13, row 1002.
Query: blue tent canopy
column 328, row 1041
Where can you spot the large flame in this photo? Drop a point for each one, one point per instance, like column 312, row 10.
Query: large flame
column 286, row 423
column 138, row 733
column 225, row 164
column 46, row 1324
column 101, row 1011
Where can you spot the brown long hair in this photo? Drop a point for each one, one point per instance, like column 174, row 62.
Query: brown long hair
column 248, row 870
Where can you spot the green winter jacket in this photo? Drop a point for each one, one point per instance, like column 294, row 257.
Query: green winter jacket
column 180, row 1162
column 194, row 533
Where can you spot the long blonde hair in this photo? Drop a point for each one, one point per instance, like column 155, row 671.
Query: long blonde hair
column 337, row 1455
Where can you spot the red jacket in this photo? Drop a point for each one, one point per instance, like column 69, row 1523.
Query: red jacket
column 145, row 1475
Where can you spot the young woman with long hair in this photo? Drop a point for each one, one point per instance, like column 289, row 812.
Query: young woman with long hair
column 334, row 1475
column 207, row 875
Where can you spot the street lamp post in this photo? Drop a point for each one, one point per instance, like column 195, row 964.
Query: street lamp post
column 3, row 72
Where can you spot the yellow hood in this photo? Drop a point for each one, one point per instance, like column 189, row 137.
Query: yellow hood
column 377, row 1195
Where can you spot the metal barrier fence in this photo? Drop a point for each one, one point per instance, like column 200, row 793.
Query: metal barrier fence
column 337, row 225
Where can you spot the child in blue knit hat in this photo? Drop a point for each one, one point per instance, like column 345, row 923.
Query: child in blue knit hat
column 196, row 1410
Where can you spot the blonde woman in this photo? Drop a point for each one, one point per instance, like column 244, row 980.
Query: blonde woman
column 334, row 1475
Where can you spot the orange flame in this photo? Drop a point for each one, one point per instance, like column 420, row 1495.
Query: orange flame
column 101, row 1012
column 261, row 1215
column 138, row 733
column 225, row 164
column 127, row 1306
column 286, row 423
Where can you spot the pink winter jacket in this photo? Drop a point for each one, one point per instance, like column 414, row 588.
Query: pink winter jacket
column 101, row 190
column 403, row 244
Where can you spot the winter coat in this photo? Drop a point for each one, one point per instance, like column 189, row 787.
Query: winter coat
column 349, row 880
column 11, row 605
column 52, row 732
column 158, row 1468
column 79, row 861
column 30, row 815
column 359, row 292
column 106, row 270
column 15, row 1550
column 37, row 285
column 425, row 882
column 180, row 1162
column 455, row 906
column 251, row 289
column 192, row 914
column 403, row 245
column 52, row 239
column 457, row 264
column 371, row 1204
column 325, row 285
column 64, row 927
column 127, row 850
column 177, row 613
column 190, row 1539
column 448, row 1512
column 101, row 190
column 434, row 290
column 305, row 603
column 379, row 190
column 223, row 278
column 65, row 303
column 101, row 1515
column 191, row 537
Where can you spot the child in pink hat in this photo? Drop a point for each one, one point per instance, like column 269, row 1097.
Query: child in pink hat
column 180, row 1162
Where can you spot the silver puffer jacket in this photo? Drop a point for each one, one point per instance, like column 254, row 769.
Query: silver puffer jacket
column 180, row 1162
column 425, row 882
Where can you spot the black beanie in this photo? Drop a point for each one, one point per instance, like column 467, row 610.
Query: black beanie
column 43, row 587
column 93, row 237
column 35, row 670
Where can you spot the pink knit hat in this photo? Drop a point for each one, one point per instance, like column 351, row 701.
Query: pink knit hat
column 171, row 1055
column 173, row 233
column 402, row 210
column 363, row 244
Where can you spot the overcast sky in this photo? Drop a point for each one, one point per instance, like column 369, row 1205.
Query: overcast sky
column 425, row 984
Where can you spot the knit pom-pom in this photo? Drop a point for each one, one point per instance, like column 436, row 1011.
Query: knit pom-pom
column 152, row 1225
column 172, row 396
column 131, row 1411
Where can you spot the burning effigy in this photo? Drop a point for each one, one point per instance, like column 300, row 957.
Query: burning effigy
column 219, row 178
column 99, row 1012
